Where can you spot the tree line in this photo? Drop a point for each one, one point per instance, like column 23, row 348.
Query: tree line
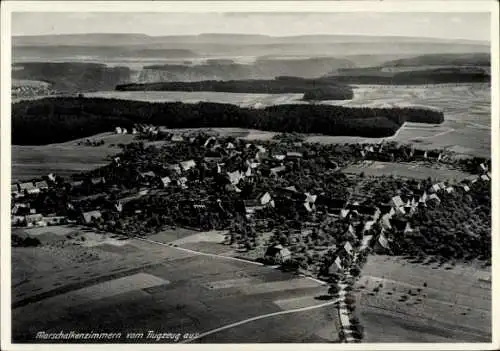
column 61, row 119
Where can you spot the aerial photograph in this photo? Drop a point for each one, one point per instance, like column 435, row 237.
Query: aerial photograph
column 250, row 177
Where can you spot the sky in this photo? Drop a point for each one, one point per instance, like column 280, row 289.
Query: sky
column 473, row 26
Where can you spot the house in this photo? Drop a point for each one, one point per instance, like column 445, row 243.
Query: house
column 368, row 225
column 366, row 240
column 386, row 221
column 32, row 219
column 134, row 131
column 279, row 157
column 449, row 189
column 419, row 154
column 371, row 211
column 118, row 130
column 232, row 187
column 408, row 229
column 182, row 182
column 147, row 175
column 277, row 170
column 54, row 220
column 434, row 188
column 485, row 177
column 28, row 188
column 294, row 155
column 14, row 190
column 187, row 165
column 174, row 168
column 210, row 142
column 344, row 213
column 20, row 208
column 97, row 180
column 42, row 185
column 265, row 198
column 397, row 202
column 235, row 177
column 76, row 184
column 434, row 155
column 51, row 177
column 177, row 138
column 369, row 149
column 250, row 206
column 278, row 254
column 119, row 206
column 90, row 216
column 310, row 198
column 484, row 167
column 348, row 247
column 434, row 197
column 252, row 164
column 17, row 220
column 466, row 188
column 230, row 146
column 165, row 181
column 309, row 207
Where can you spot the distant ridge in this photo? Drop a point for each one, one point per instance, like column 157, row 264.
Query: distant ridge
column 120, row 39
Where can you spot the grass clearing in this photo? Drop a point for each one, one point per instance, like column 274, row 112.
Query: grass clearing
column 440, row 304
column 405, row 170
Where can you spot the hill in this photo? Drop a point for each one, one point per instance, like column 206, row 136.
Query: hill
column 471, row 59
column 378, row 75
column 53, row 120
column 72, row 76
column 313, row 90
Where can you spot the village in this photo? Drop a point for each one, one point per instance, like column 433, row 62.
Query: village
column 284, row 202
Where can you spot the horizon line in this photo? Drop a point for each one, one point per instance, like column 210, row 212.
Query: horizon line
column 252, row 34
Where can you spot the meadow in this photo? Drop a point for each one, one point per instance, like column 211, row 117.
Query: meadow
column 139, row 286
column 406, row 302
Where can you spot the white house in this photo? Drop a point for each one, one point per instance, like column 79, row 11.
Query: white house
column 396, row 201
column 187, row 165
column 166, row 181
column 265, row 198
column 118, row 130
column 348, row 247
column 235, row 177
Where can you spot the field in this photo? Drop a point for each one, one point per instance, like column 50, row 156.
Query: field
column 405, row 170
column 418, row 303
column 64, row 159
column 140, row 286
column 240, row 99
column 467, row 109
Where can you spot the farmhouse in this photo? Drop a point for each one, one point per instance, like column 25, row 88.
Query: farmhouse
column 250, row 206
column 277, row 170
column 97, row 180
column 187, row 165
column 174, row 168
column 42, row 185
column 28, row 188
column 278, row 254
column 33, row 219
column 14, row 190
column 90, row 216
column 165, row 181
column 235, row 177
column 293, row 155
column 434, row 155
column 54, row 220
column 118, row 130
column 265, row 198
column 397, row 202
column 177, row 138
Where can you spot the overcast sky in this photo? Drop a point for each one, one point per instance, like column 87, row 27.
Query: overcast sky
column 475, row 26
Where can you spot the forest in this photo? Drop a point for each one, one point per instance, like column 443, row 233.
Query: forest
column 312, row 89
column 53, row 120
column 71, row 77
column 429, row 76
